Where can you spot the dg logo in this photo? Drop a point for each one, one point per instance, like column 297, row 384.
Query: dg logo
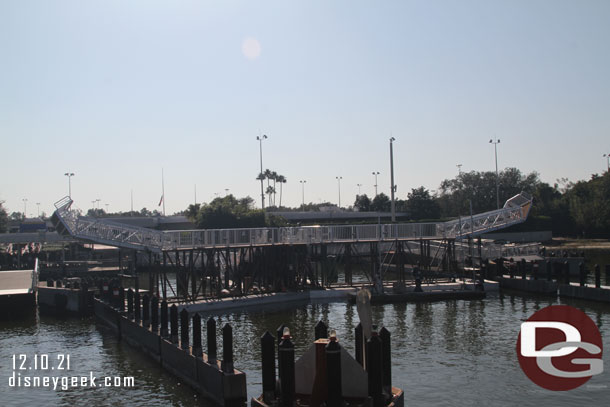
column 560, row 348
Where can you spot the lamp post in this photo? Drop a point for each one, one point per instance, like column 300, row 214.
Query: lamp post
column 107, row 205
column 607, row 162
column 25, row 207
column 38, row 205
column 260, row 145
column 339, row 185
column 459, row 167
column 375, row 173
column 392, row 186
column 69, row 175
column 495, row 143
column 303, row 193
column 358, row 185
column 226, row 191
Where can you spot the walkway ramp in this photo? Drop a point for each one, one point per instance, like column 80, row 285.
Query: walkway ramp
column 100, row 230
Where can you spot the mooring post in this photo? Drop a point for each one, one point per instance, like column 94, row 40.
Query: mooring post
column 130, row 303
column 58, row 285
column 164, row 318
column 136, row 301
column 227, row 349
column 374, row 368
column 333, row 372
column 386, row 360
column 286, row 368
column 523, row 269
column 582, row 273
column 598, row 276
column 184, row 329
column 535, row 271
column 211, row 335
column 320, row 331
column 50, row 283
column 154, row 313
column 359, row 336
column 268, row 361
column 145, row 311
column 197, row 348
column 173, row 324
column 121, row 299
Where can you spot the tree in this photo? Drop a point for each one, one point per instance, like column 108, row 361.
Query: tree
column 421, row 205
column 3, row 219
column 282, row 180
column 381, row 203
column 230, row 212
column 362, row 203
column 17, row 216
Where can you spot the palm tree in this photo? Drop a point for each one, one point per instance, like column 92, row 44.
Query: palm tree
column 274, row 176
column 270, row 191
column 282, row 180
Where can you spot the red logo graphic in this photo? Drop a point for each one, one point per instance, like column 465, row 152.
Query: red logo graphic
column 560, row 348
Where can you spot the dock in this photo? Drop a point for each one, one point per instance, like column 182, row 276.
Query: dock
column 18, row 290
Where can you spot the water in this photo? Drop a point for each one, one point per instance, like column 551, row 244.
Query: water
column 445, row 354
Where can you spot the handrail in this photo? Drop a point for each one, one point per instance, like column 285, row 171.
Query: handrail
column 115, row 233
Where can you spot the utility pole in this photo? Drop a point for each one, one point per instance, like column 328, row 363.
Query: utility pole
column 392, row 186
column 260, row 142
column 495, row 143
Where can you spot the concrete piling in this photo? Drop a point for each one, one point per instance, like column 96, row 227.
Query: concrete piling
column 184, row 329
column 154, row 313
column 136, row 302
column 286, row 368
column 164, row 319
column 173, row 324
column 227, row 349
column 130, row 303
column 320, row 331
column 375, row 369
column 268, row 362
column 386, row 360
column 211, row 336
column 145, row 311
column 359, row 348
column 333, row 372
column 197, row 347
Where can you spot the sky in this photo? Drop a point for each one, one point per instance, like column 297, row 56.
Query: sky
column 118, row 91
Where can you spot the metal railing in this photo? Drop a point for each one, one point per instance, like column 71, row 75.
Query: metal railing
column 118, row 234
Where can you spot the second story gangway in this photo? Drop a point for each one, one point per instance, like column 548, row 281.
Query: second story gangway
column 102, row 231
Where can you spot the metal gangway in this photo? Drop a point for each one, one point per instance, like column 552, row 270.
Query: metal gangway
column 112, row 233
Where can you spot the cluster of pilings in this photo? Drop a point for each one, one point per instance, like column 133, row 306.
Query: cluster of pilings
column 373, row 355
column 165, row 334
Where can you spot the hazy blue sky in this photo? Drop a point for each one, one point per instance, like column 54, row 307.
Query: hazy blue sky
column 116, row 90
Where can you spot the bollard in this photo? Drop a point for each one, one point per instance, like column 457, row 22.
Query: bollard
column 268, row 361
column 227, row 349
column 375, row 368
column 197, row 348
column 184, row 329
column 386, row 360
column 145, row 311
column 130, row 303
column 50, row 283
column 333, row 372
column 211, row 334
column 320, row 331
column 121, row 299
column 582, row 274
column 286, row 368
column 173, row 324
column 58, row 284
column 359, row 337
column 523, row 269
column 535, row 270
column 164, row 318
column 154, row 313
column 598, row 281
column 136, row 300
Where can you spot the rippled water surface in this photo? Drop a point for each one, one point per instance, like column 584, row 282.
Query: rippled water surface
column 445, row 354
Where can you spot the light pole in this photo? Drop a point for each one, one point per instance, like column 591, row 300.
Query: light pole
column 459, row 167
column 226, row 191
column 607, row 162
column 303, row 192
column 495, row 143
column 38, row 205
column 260, row 144
column 358, row 185
column 107, row 205
column 375, row 173
column 69, row 175
column 93, row 206
column 25, row 207
column 392, row 186
column 339, row 184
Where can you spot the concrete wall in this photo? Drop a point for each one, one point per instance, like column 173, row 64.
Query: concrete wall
column 584, row 293
column 532, row 286
column 65, row 299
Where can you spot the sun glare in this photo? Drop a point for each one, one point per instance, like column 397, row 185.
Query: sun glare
column 251, row 48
